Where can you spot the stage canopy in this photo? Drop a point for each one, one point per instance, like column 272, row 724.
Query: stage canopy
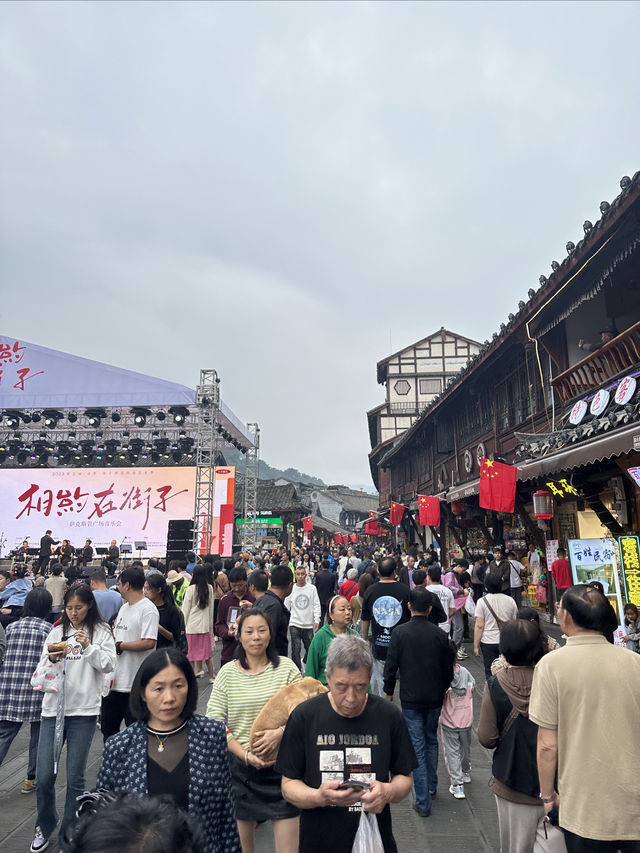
column 38, row 378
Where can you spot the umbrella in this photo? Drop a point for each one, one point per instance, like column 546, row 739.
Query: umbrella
column 58, row 739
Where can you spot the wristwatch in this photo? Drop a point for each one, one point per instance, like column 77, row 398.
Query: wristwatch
column 548, row 799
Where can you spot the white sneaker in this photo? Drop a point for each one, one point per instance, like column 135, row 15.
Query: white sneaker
column 461, row 654
column 466, row 778
column 457, row 791
column 39, row 842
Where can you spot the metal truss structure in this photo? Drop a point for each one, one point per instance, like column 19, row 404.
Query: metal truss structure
column 111, row 437
column 208, row 403
column 252, row 459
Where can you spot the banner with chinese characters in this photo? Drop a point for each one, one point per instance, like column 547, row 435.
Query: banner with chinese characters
column 630, row 559
column 595, row 560
column 126, row 504
column 221, row 540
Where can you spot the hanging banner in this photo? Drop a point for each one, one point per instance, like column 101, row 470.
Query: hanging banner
column 221, row 539
column 595, row 560
column 630, row 559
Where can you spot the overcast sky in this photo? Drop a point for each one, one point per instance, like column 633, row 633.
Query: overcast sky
column 288, row 192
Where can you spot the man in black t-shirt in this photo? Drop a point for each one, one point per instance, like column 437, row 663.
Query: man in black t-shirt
column 46, row 544
column 385, row 605
column 341, row 736
column 326, row 584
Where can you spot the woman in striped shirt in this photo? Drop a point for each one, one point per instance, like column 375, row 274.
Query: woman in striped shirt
column 240, row 690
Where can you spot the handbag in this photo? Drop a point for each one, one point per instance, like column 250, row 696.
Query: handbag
column 49, row 677
column 469, row 604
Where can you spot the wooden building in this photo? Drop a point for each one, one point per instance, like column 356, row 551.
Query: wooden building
column 548, row 393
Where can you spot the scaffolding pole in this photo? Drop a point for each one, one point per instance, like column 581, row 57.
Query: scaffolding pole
column 208, row 402
column 252, row 459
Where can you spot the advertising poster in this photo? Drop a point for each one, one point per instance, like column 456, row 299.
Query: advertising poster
column 126, row 504
column 595, row 560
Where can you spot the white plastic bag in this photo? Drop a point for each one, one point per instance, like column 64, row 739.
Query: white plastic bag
column 49, row 677
column 367, row 838
column 469, row 604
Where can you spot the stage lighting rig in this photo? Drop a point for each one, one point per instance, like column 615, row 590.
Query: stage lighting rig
column 12, row 419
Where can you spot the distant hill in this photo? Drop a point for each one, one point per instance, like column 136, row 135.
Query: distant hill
column 267, row 472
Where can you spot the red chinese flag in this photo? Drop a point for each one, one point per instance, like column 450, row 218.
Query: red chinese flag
column 429, row 510
column 372, row 528
column 307, row 524
column 354, row 537
column 337, row 538
column 397, row 511
column 497, row 485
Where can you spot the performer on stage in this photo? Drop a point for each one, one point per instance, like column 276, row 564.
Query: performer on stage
column 110, row 560
column 46, row 543
column 65, row 552
column 87, row 553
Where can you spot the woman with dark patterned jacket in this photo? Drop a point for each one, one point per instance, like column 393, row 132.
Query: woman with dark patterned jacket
column 171, row 750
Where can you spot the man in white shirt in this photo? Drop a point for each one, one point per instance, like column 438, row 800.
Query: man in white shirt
column 434, row 576
column 304, row 605
column 355, row 561
column 135, row 632
column 515, row 590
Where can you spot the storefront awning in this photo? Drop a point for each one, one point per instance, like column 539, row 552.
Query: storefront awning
column 464, row 490
column 604, row 447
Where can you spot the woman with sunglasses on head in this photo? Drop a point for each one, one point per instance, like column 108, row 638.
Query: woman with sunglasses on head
column 85, row 642
column 171, row 750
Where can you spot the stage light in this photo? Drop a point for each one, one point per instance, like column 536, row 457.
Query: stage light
column 26, row 418
column 180, row 414
column 12, row 419
column 140, row 415
column 22, row 457
column 35, row 417
column 177, row 456
column 160, row 416
column 115, row 417
column 94, row 416
column 72, row 417
column 51, row 418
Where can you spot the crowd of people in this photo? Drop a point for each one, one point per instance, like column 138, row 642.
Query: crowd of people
column 339, row 629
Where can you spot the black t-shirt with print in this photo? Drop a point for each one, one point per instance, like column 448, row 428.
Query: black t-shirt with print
column 385, row 605
column 320, row 745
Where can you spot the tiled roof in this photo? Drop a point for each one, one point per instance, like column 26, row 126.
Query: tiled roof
column 271, row 498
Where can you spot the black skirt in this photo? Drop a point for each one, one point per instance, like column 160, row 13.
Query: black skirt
column 257, row 793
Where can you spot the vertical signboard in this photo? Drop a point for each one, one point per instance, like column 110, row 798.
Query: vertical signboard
column 630, row 559
column 595, row 560
column 223, row 496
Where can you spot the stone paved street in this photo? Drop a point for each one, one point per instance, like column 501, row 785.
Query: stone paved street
column 462, row 826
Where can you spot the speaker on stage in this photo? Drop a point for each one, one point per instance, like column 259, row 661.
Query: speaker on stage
column 179, row 539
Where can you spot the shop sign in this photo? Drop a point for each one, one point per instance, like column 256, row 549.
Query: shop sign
column 551, row 551
column 630, row 559
column 561, row 488
column 625, row 390
column 578, row 412
column 599, row 402
column 634, row 473
column 636, row 442
column 595, row 560
column 261, row 522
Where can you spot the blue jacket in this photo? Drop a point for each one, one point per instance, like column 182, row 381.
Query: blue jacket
column 15, row 593
column 124, row 768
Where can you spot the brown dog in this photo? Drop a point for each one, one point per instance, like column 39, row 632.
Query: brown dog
column 276, row 711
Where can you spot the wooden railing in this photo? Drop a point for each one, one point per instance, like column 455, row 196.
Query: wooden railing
column 607, row 362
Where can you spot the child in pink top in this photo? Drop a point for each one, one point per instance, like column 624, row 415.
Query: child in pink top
column 456, row 719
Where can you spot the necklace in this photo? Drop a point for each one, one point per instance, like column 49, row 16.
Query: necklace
column 162, row 736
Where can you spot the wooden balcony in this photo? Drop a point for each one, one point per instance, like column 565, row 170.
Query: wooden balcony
column 611, row 360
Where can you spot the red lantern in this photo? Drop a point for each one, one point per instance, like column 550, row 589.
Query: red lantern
column 543, row 504
column 456, row 507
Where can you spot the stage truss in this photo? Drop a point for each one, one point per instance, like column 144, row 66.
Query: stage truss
column 250, row 514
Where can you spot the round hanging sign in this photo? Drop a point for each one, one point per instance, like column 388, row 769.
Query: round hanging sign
column 625, row 390
column 599, row 402
column 578, row 412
